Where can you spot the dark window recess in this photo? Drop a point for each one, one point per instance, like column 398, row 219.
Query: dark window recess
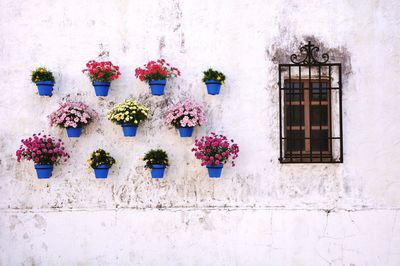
column 295, row 115
column 294, row 92
column 295, row 140
column 310, row 109
column 319, row 91
column 319, row 115
column 319, row 140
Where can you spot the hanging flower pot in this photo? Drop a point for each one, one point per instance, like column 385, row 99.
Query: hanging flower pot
column 45, row 88
column 185, row 132
column 213, row 151
column 44, row 81
column 213, row 86
column 157, row 170
column 214, row 170
column 73, row 116
column 128, row 114
column 156, row 74
column 157, row 87
column 129, row 129
column 157, row 161
column 101, row 88
column 185, row 116
column 74, row 132
column 44, row 170
column 213, row 80
column 101, row 162
column 101, row 171
column 44, row 150
column 101, row 74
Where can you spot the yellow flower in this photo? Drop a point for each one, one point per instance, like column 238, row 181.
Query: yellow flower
column 218, row 78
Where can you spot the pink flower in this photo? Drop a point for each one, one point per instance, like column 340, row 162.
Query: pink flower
column 72, row 114
column 215, row 149
column 185, row 114
column 34, row 149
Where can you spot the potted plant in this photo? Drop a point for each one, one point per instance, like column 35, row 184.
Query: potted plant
column 101, row 74
column 128, row 114
column 101, row 162
column 214, row 151
column 185, row 116
column 213, row 79
column 44, row 80
column 157, row 161
column 45, row 152
column 156, row 74
column 72, row 116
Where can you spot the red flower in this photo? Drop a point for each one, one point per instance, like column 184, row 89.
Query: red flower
column 108, row 71
column 155, row 70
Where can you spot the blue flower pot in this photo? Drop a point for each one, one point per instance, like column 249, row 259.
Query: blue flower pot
column 157, row 87
column 44, row 170
column 101, row 88
column 186, row 132
column 157, row 171
column 129, row 130
column 74, row 132
column 213, row 86
column 101, row 171
column 215, row 170
column 45, row 88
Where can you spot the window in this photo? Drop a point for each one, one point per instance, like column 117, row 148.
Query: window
column 310, row 109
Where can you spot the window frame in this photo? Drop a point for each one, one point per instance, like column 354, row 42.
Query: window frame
column 307, row 103
column 307, row 60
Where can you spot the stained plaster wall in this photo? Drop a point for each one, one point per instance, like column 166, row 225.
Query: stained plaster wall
column 260, row 210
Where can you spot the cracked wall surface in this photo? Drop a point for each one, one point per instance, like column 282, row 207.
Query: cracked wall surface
column 246, row 40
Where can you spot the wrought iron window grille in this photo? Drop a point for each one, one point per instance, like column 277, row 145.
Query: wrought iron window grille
column 310, row 108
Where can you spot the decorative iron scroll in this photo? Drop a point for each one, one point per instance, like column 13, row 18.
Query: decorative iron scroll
column 307, row 56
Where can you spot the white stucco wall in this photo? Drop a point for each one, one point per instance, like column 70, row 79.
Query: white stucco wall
column 259, row 213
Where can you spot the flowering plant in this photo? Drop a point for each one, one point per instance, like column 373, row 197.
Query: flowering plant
column 101, row 71
column 185, row 114
column 215, row 149
column 213, row 74
column 155, row 157
column 42, row 74
column 72, row 114
column 129, row 112
column 42, row 149
column 100, row 157
column 156, row 70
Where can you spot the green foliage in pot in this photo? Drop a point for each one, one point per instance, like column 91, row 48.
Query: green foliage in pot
column 213, row 74
column 100, row 157
column 42, row 74
column 156, row 157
